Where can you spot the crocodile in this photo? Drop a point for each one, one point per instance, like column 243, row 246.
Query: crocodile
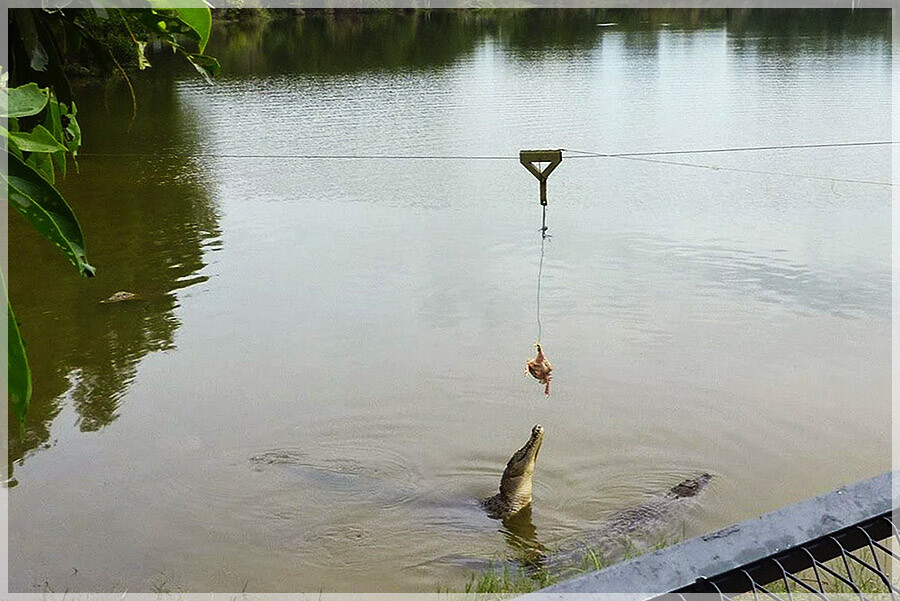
column 515, row 484
column 121, row 296
column 612, row 538
column 512, row 505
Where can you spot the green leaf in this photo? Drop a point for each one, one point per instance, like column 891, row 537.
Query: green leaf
column 143, row 63
column 198, row 19
column 166, row 23
column 11, row 146
column 53, row 123
column 24, row 101
column 43, row 206
column 18, row 372
column 42, row 163
column 207, row 66
column 72, row 131
column 193, row 13
column 36, row 140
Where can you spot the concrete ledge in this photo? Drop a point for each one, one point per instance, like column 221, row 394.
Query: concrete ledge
column 711, row 554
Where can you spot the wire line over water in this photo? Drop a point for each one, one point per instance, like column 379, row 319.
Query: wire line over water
column 460, row 157
column 579, row 154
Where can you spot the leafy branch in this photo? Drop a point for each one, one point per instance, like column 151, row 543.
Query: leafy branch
column 42, row 126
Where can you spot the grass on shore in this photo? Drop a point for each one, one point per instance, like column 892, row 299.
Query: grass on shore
column 866, row 581
column 524, row 577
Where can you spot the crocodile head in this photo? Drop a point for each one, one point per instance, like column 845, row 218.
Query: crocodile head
column 690, row 487
column 515, row 485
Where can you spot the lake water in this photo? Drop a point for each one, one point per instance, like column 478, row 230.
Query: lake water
column 324, row 373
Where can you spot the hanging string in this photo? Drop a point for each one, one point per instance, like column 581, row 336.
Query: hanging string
column 540, row 272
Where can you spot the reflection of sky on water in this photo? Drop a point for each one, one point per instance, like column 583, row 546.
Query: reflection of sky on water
column 847, row 293
column 374, row 317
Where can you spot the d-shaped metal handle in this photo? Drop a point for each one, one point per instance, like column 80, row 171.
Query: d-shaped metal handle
column 528, row 158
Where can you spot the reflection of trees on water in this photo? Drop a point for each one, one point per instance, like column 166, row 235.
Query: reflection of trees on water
column 145, row 223
column 381, row 40
column 332, row 42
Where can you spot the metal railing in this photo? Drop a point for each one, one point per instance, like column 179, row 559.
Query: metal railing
column 838, row 543
column 853, row 560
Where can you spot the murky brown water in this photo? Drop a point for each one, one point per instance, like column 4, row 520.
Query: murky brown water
column 325, row 372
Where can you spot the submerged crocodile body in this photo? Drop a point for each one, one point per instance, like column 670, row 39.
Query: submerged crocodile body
column 513, row 505
column 613, row 538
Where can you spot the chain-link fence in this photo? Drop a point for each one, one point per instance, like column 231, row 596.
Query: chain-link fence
column 856, row 560
column 841, row 543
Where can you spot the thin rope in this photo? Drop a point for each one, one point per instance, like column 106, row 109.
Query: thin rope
column 587, row 153
column 757, row 171
column 450, row 157
column 580, row 154
column 540, row 273
column 350, row 157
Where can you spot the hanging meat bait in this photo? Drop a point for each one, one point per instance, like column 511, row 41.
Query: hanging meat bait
column 539, row 367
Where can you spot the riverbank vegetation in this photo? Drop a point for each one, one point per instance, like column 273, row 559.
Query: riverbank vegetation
column 263, row 42
column 527, row 572
column 334, row 38
column 44, row 134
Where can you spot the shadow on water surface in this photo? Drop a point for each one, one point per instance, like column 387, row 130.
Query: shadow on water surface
column 142, row 236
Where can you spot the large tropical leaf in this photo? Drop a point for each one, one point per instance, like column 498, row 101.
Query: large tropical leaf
column 23, row 101
column 199, row 19
column 37, row 140
column 193, row 13
column 43, row 206
column 18, row 372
